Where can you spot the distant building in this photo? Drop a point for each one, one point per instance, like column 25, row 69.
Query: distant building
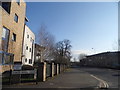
column 11, row 33
column 39, row 53
column 28, row 47
column 106, row 59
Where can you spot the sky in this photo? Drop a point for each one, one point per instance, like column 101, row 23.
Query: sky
column 92, row 27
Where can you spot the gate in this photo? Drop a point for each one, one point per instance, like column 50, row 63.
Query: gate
column 15, row 76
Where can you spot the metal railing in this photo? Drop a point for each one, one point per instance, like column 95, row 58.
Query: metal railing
column 6, row 58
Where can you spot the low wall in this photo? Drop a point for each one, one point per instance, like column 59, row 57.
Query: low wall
column 43, row 71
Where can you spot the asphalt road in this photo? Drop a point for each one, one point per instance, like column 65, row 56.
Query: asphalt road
column 110, row 76
column 79, row 78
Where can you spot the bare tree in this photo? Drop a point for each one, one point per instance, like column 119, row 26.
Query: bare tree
column 63, row 51
column 82, row 56
column 46, row 40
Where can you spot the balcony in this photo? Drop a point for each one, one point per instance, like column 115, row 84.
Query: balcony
column 6, row 58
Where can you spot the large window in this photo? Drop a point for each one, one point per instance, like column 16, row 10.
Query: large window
column 5, row 39
column 6, row 58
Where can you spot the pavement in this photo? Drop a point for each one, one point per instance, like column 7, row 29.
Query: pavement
column 78, row 78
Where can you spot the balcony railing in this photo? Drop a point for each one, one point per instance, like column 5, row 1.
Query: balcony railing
column 6, row 58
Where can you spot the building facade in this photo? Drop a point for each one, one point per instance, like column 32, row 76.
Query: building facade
column 105, row 60
column 39, row 53
column 28, row 47
column 11, row 33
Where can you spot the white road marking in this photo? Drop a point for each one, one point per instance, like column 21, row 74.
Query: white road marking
column 101, row 82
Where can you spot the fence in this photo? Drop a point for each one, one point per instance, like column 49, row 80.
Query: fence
column 41, row 72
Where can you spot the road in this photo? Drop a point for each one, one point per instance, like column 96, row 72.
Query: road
column 79, row 78
column 111, row 76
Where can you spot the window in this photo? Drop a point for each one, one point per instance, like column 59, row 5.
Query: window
column 5, row 39
column 14, row 37
column 30, row 50
column 30, row 61
column 26, row 60
column 16, row 18
column 6, row 6
column 26, row 47
column 4, row 32
column 8, row 58
column 27, row 36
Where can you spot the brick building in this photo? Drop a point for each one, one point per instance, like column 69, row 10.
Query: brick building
column 38, row 56
column 11, row 33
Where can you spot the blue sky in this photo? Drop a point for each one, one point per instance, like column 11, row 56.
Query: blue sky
column 86, row 24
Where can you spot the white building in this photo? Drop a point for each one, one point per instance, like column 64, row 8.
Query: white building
column 28, row 47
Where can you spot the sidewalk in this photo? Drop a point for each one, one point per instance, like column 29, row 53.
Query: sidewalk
column 72, row 78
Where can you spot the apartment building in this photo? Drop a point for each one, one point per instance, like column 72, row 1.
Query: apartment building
column 11, row 33
column 28, row 47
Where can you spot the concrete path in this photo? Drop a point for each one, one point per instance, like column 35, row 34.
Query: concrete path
column 72, row 78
